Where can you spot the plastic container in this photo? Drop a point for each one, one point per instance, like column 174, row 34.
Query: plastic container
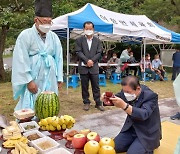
column 33, row 132
column 36, row 143
column 59, row 151
column 24, row 114
column 31, row 123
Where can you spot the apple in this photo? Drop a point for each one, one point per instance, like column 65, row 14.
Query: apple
column 107, row 141
column 91, row 147
column 106, row 149
column 93, row 136
column 85, row 131
column 78, row 141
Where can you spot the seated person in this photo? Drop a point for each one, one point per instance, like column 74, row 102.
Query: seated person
column 148, row 66
column 125, row 55
column 157, row 66
column 104, row 58
column 103, row 69
column 113, row 60
column 132, row 60
column 123, row 59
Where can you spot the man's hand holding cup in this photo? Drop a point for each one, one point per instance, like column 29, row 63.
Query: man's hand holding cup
column 105, row 97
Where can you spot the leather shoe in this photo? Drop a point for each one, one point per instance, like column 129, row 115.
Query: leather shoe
column 86, row 107
column 99, row 107
column 176, row 116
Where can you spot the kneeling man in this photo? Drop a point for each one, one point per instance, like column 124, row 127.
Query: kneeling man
column 141, row 132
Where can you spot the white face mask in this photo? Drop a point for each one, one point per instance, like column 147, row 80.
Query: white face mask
column 88, row 32
column 149, row 58
column 157, row 59
column 114, row 57
column 130, row 97
column 44, row 28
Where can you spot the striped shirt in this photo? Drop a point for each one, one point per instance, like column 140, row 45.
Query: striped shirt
column 147, row 63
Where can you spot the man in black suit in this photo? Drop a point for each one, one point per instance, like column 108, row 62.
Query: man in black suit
column 141, row 132
column 88, row 49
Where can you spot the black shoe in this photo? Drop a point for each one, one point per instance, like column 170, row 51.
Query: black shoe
column 99, row 107
column 86, row 107
column 176, row 116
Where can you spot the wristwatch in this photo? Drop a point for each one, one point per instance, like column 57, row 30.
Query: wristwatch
column 126, row 107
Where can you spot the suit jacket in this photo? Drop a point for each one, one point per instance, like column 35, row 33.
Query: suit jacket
column 145, row 118
column 85, row 54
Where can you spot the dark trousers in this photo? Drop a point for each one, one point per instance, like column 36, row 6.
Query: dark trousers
column 176, row 71
column 149, row 71
column 162, row 72
column 94, row 79
column 134, row 68
column 129, row 142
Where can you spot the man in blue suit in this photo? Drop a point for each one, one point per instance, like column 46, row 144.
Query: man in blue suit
column 141, row 132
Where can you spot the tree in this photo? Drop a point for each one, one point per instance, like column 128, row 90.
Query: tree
column 3, row 33
column 13, row 15
column 108, row 46
column 169, row 13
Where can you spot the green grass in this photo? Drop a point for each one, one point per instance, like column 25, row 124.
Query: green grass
column 71, row 103
column 7, row 56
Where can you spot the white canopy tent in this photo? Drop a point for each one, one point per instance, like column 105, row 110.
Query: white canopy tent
column 110, row 26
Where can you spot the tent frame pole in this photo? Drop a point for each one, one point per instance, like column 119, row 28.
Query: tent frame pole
column 67, row 73
column 144, row 42
column 141, row 50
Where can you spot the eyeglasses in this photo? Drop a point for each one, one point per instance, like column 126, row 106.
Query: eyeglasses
column 45, row 21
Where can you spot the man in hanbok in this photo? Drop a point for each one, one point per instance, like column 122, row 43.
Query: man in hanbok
column 37, row 59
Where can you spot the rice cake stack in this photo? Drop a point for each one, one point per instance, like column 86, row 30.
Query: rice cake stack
column 24, row 114
column 13, row 131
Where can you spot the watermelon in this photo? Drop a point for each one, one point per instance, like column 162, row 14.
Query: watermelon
column 47, row 105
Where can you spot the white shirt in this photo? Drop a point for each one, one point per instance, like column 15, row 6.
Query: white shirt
column 89, row 42
column 124, row 56
column 156, row 63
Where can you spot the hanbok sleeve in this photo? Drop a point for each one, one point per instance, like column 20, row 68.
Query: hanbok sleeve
column 59, row 59
column 21, row 66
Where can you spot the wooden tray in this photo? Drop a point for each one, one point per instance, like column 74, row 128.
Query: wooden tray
column 69, row 145
column 25, row 120
column 1, row 137
column 56, row 135
column 9, row 152
column 79, row 151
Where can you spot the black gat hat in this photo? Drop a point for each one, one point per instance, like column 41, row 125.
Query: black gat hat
column 43, row 8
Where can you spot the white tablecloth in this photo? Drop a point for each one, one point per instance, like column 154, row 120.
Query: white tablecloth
column 100, row 64
column 106, row 64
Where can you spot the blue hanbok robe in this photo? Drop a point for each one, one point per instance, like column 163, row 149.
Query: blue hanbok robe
column 37, row 60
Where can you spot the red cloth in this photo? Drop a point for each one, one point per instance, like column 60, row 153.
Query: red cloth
column 123, row 68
